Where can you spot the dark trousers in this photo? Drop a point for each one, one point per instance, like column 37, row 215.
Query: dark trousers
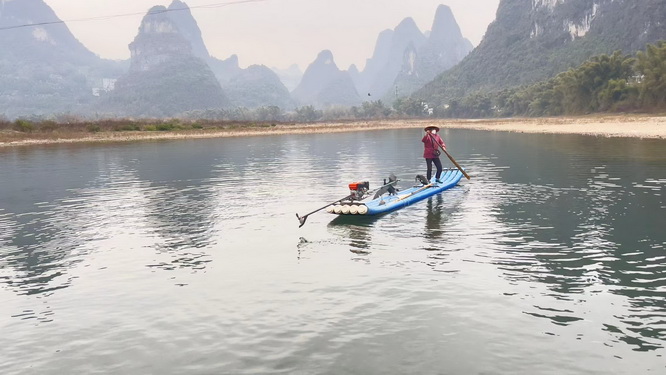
column 438, row 165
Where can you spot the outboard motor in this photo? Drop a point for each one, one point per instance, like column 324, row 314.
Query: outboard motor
column 358, row 189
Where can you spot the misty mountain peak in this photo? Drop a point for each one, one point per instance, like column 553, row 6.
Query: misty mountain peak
column 407, row 25
column 323, row 84
column 233, row 61
column 44, row 69
column 165, row 76
column 26, row 11
column 405, row 33
column 177, row 4
column 325, row 57
column 382, row 47
column 445, row 25
column 157, row 22
column 48, row 42
column 380, row 70
column 180, row 13
column 159, row 40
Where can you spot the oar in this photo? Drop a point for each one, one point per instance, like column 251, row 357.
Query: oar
column 455, row 162
column 302, row 219
column 414, row 192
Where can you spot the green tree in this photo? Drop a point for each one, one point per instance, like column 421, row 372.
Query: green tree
column 651, row 71
column 408, row 106
column 308, row 114
column 618, row 94
column 269, row 113
column 374, row 109
column 581, row 88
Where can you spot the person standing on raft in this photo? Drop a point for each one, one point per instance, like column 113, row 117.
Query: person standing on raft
column 431, row 143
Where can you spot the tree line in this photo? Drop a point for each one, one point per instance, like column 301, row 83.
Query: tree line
column 605, row 83
column 308, row 113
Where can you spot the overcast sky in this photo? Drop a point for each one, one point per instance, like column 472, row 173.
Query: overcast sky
column 275, row 33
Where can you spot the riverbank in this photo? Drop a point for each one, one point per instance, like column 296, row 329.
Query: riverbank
column 641, row 126
column 638, row 126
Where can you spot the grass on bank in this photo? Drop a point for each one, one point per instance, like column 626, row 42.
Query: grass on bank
column 22, row 129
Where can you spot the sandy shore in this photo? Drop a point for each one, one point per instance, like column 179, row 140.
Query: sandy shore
column 606, row 126
column 640, row 126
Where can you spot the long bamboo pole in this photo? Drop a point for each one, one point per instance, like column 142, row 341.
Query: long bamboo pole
column 455, row 163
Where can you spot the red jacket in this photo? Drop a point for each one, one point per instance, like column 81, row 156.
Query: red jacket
column 430, row 144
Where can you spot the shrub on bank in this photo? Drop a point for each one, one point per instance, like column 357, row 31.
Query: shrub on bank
column 5, row 124
column 127, row 127
column 24, row 126
column 47, row 126
column 165, row 127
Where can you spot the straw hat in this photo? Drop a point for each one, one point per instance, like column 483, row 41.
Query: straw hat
column 431, row 127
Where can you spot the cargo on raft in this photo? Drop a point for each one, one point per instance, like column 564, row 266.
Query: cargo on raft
column 387, row 198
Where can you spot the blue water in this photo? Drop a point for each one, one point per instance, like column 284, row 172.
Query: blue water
column 185, row 256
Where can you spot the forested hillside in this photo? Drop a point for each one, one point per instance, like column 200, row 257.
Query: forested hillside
column 605, row 83
column 535, row 40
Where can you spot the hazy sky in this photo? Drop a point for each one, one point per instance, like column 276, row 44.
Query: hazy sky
column 273, row 32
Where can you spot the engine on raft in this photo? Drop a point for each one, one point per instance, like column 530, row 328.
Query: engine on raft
column 351, row 205
column 357, row 190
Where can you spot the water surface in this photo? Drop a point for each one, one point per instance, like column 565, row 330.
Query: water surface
column 185, row 256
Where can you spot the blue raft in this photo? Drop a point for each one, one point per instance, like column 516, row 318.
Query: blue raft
column 383, row 204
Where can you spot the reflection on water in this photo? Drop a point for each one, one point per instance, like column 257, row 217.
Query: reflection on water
column 576, row 233
column 180, row 210
column 191, row 252
column 357, row 230
column 434, row 217
column 439, row 209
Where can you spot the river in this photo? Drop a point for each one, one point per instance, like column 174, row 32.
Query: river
column 174, row 257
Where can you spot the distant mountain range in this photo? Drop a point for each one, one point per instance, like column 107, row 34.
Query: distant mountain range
column 45, row 70
column 253, row 87
column 405, row 58
column 444, row 47
column 533, row 40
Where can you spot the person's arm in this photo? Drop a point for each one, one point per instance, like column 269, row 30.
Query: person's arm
column 441, row 142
